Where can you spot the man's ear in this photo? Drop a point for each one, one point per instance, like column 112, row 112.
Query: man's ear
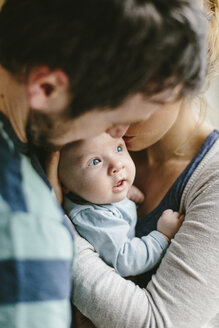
column 48, row 90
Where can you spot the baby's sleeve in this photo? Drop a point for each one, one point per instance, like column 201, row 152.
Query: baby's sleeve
column 108, row 233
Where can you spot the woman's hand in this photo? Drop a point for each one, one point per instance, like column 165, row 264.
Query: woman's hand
column 51, row 168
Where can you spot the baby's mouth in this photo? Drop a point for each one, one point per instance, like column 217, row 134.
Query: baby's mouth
column 120, row 185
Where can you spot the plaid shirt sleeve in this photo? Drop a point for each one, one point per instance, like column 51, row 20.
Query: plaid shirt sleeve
column 36, row 248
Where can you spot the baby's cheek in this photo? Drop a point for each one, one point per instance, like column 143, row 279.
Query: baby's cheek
column 95, row 191
column 131, row 173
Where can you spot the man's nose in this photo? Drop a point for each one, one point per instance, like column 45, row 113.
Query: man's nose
column 115, row 167
column 117, row 131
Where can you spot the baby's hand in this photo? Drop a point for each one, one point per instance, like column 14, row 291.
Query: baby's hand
column 135, row 195
column 169, row 223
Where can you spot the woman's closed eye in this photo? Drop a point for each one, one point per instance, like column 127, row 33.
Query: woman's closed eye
column 94, row 161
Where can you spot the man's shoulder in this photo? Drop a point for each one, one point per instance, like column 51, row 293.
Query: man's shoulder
column 11, row 174
column 21, row 187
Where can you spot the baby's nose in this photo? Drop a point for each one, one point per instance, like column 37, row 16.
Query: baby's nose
column 116, row 167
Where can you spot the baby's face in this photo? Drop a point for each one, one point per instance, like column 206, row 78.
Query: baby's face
column 100, row 171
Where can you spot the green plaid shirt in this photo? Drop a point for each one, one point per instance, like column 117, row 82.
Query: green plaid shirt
column 36, row 243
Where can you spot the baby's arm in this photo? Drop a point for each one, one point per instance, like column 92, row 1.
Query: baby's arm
column 114, row 240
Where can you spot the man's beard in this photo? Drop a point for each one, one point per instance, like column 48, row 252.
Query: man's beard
column 41, row 129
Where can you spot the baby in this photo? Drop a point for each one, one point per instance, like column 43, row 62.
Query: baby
column 97, row 175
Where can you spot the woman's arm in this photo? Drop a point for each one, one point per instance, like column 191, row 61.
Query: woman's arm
column 183, row 293
column 103, row 296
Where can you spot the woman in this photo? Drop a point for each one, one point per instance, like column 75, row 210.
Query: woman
column 177, row 167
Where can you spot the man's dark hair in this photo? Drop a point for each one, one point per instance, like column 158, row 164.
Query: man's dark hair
column 110, row 49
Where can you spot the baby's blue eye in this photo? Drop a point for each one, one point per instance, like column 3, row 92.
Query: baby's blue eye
column 94, row 161
column 119, row 149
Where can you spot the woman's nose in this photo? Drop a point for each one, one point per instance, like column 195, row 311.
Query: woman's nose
column 115, row 167
column 117, row 131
